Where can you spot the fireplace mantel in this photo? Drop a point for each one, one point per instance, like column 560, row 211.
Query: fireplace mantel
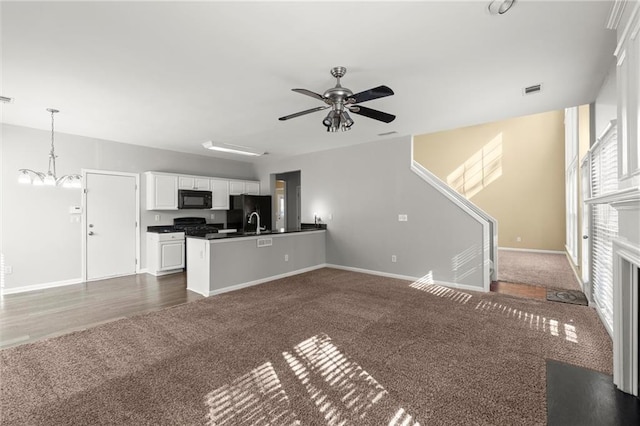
column 626, row 264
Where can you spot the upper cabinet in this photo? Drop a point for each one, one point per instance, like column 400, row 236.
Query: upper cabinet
column 162, row 191
column 252, row 188
column 238, row 187
column 194, row 182
column 220, row 192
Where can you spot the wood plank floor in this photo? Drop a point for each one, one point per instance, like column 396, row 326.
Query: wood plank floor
column 36, row 315
column 520, row 290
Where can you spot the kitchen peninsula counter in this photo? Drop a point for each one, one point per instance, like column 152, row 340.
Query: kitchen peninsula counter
column 217, row 263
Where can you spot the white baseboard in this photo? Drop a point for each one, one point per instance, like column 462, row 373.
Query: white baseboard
column 457, row 286
column 532, row 250
column 41, row 286
column 142, row 271
column 162, row 273
column 262, row 280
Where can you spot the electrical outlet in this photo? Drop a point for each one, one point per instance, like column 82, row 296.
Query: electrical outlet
column 213, row 216
column 286, row 257
column 157, row 218
column 394, row 259
column 519, row 239
column 403, row 218
column 8, row 270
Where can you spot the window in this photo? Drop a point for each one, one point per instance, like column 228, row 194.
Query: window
column 604, row 223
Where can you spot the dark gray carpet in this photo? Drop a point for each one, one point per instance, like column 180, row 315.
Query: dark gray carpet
column 324, row 347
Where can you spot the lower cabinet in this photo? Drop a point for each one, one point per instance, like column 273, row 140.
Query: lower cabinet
column 165, row 253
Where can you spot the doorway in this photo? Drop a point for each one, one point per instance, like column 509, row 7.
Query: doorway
column 111, row 216
column 287, row 199
column 281, row 199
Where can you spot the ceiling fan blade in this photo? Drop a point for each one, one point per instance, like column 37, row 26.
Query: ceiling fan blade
column 309, row 93
column 298, row 114
column 375, row 93
column 372, row 113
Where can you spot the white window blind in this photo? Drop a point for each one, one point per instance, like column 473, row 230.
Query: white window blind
column 604, row 224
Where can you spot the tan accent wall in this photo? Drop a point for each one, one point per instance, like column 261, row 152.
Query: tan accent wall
column 512, row 169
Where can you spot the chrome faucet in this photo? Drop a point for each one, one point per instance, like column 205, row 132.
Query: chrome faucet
column 257, row 223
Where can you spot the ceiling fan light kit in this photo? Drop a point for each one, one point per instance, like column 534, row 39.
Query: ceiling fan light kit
column 500, row 7
column 342, row 101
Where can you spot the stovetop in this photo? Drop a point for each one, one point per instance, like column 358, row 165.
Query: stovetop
column 196, row 226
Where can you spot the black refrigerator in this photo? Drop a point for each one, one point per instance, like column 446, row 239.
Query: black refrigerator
column 241, row 208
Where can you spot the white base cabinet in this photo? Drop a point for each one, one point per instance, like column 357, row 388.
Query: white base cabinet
column 165, row 253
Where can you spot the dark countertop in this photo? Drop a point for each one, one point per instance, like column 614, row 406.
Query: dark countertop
column 163, row 229
column 220, row 236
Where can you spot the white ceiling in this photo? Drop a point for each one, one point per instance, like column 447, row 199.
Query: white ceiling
column 173, row 75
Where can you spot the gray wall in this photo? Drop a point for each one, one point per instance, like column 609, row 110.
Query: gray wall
column 364, row 188
column 38, row 239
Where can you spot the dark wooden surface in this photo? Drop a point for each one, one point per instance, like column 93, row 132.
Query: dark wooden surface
column 520, row 290
column 582, row 397
column 35, row 315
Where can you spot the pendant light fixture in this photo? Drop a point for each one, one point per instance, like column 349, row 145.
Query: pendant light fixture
column 29, row 176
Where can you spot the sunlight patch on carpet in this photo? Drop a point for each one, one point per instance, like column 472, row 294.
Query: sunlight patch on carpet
column 341, row 389
column 535, row 322
column 254, row 398
column 427, row 285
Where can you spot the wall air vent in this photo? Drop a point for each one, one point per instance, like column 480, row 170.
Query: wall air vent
column 532, row 89
column 387, row 133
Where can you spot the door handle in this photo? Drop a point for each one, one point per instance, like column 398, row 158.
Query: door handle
column 90, row 232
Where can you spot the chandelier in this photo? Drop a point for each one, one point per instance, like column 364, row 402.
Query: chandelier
column 29, row 176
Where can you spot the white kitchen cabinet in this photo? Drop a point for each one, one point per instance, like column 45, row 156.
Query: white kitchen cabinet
column 220, row 191
column 162, row 191
column 165, row 252
column 238, row 187
column 252, row 188
column 194, row 182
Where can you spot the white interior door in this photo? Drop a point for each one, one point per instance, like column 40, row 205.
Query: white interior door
column 586, row 217
column 111, row 225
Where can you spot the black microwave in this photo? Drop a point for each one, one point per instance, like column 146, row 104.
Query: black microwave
column 188, row 199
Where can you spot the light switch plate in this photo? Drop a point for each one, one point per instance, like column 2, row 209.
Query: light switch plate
column 403, row 218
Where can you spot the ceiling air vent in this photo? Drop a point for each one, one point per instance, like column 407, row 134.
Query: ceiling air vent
column 532, row 89
column 6, row 100
column 387, row 133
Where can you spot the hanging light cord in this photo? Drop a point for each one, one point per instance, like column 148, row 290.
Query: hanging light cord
column 52, row 154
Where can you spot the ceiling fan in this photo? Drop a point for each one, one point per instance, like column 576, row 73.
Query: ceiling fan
column 340, row 100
